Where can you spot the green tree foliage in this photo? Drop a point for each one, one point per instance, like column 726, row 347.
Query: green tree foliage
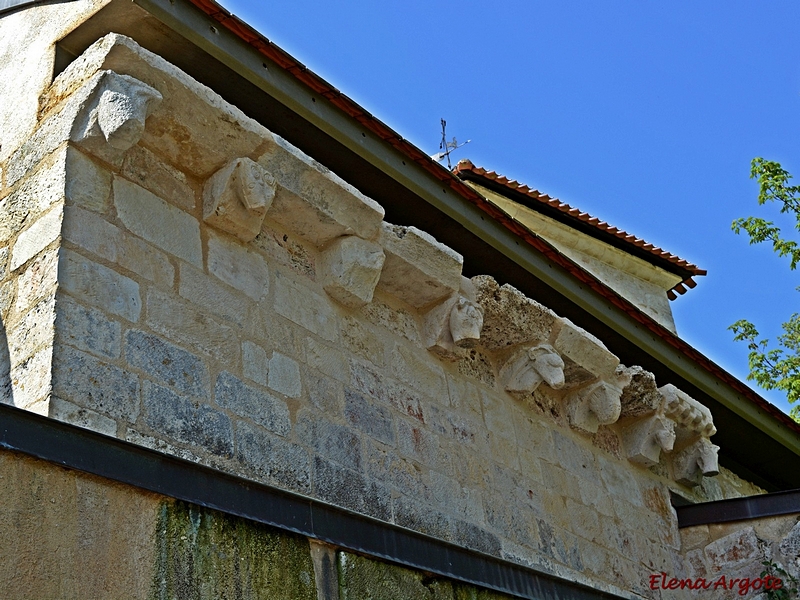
column 776, row 368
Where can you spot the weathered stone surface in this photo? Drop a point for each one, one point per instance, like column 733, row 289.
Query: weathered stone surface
column 314, row 313
column 114, row 115
column 232, row 262
column 237, row 197
column 455, row 323
column 687, row 412
column 530, row 367
column 272, row 458
column 585, row 357
column 252, row 403
column 645, row 438
column 351, row 490
column 153, row 219
column 418, row 269
column 87, row 329
column 145, row 169
column 169, row 364
column 185, row 421
column 30, row 382
column 596, row 405
column 33, row 332
column 209, row 295
column 255, row 364
column 91, row 383
column 285, row 248
column 82, row 417
column 694, row 462
column 284, row 375
column 640, row 396
column 87, row 184
column 315, row 203
column 207, row 554
column 183, row 323
column 349, row 270
column 100, row 286
column 44, row 231
column 509, row 317
column 333, row 441
column 374, row 420
column 386, row 390
column 733, row 551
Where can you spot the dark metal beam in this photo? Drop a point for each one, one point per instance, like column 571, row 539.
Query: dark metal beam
column 739, row 509
column 91, row 452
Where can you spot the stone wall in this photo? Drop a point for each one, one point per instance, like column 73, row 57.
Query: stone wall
column 179, row 277
column 739, row 550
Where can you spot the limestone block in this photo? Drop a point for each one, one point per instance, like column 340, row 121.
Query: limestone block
column 349, row 270
column 160, row 223
column 694, row 462
column 37, row 237
column 595, row 405
column 418, row 269
column 313, row 202
column 693, row 418
column 509, row 316
column 455, row 323
column 530, row 367
column 232, row 262
column 645, row 438
column 585, row 357
column 237, row 197
column 640, row 397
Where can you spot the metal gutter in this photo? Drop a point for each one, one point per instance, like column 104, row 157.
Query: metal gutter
column 407, row 172
column 97, row 454
column 739, row 509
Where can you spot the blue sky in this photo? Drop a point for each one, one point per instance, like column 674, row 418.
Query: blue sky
column 643, row 114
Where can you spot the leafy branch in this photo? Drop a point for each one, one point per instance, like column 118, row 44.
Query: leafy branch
column 773, row 368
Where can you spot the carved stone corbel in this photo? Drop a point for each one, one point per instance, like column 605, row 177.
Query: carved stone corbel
column 455, row 323
column 694, row 462
column 693, row 420
column 645, row 438
column 528, row 368
column 350, row 269
column 237, row 197
column 115, row 115
column 598, row 403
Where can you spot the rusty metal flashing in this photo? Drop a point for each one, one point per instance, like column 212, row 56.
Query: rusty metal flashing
column 739, row 509
column 270, row 86
column 90, row 452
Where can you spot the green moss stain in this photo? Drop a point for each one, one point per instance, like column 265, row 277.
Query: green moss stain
column 202, row 554
column 366, row 579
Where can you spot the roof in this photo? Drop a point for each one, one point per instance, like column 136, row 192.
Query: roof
column 578, row 219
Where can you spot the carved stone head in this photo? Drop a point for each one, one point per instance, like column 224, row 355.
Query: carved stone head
column 466, row 321
column 548, row 364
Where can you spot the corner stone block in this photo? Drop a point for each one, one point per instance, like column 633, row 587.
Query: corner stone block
column 585, row 357
column 237, row 197
column 418, row 269
column 313, row 202
column 510, row 317
column 115, row 115
column 350, row 269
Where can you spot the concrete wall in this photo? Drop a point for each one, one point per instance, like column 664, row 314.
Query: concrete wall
column 179, row 277
column 69, row 535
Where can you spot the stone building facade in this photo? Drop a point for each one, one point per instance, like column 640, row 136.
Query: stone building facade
column 179, row 277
